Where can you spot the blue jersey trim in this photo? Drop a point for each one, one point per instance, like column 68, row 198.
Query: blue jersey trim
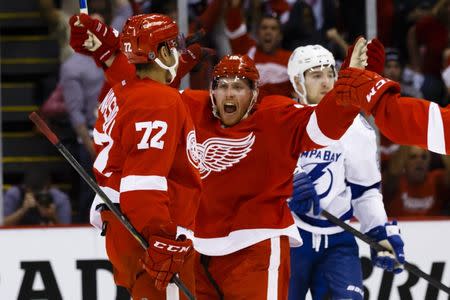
column 358, row 190
column 325, row 223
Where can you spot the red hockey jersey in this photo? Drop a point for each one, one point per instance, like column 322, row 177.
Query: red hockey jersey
column 411, row 121
column 247, row 169
column 143, row 136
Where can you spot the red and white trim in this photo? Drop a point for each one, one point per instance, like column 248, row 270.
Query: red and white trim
column 315, row 134
column 242, row 30
column 435, row 134
column 143, row 183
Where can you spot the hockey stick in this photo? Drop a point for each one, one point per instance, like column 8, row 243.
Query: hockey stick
column 42, row 126
column 83, row 7
column 365, row 238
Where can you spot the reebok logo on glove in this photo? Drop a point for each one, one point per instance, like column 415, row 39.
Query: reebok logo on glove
column 171, row 248
column 374, row 89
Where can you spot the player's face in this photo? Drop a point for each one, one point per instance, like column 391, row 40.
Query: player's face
column 318, row 82
column 269, row 35
column 232, row 97
column 417, row 164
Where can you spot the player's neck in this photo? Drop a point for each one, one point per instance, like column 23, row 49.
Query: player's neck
column 156, row 74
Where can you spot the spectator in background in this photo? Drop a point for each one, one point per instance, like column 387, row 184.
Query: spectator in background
column 427, row 40
column 35, row 202
column 406, row 14
column 394, row 70
column 271, row 61
column 411, row 189
column 446, row 71
column 81, row 81
column 314, row 22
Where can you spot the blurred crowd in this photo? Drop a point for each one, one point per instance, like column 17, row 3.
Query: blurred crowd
column 415, row 33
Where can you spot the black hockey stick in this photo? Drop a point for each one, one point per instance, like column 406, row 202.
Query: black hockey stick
column 377, row 247
column 42, row 126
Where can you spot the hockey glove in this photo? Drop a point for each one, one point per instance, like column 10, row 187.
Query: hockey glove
column 304, row 195
column 100, row 40
column 165, row 257
column 362, row 88
column 389, row 237
column 375, row 53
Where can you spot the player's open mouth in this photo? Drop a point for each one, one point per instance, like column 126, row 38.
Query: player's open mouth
column 229, row 108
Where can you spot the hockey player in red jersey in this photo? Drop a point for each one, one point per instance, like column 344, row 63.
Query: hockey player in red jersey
column 143, row 136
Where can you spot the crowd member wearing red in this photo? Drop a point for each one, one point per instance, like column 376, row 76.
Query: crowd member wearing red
column 270, row 59
column 427, row 40
column 411, row 189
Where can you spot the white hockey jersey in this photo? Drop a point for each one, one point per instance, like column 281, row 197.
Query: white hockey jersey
column 347, row 179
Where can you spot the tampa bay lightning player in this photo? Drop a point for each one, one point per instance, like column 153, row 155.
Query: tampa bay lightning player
column 344, row 179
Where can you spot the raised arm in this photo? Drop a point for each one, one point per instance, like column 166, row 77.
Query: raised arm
column 236, row 30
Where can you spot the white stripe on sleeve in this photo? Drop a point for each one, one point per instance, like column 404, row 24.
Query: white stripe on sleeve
column 143, row 183
column 315, row 134
column 435, row 134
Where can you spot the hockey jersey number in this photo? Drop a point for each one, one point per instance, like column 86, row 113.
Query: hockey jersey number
column 155, row 141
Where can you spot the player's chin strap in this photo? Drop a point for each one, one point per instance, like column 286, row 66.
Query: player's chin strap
column 171, row 69
column 302, row 96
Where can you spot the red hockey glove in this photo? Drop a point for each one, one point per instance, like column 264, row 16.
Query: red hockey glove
column 375, row 53
column 190, row 60
column 78, row 34
column 104, row 41
column 361, row 88
column 164, row 258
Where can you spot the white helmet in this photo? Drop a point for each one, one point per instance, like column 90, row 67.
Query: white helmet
column 305, row 58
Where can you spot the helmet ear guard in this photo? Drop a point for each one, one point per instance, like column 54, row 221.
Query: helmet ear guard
column 305, row 58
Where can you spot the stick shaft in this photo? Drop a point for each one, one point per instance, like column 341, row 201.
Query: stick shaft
column 83, row 7
column 377, row 247
column 42, row 126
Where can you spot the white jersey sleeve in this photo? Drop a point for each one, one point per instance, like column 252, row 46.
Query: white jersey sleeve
column 363, row 174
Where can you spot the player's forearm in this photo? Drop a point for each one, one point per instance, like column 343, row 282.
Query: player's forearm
column 411, row 121
column 369, row 209
column 333, row 120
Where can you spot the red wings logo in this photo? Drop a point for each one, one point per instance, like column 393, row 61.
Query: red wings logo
column 217, row 154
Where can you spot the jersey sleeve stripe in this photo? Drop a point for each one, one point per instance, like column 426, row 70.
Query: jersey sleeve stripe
column 435, row 134
column 315, row 134
column 141, row 183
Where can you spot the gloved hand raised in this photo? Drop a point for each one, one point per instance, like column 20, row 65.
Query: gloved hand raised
column 92, row 37
column 304, row 195
column 165, row 256
column 375, row 56
column 389, row 237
